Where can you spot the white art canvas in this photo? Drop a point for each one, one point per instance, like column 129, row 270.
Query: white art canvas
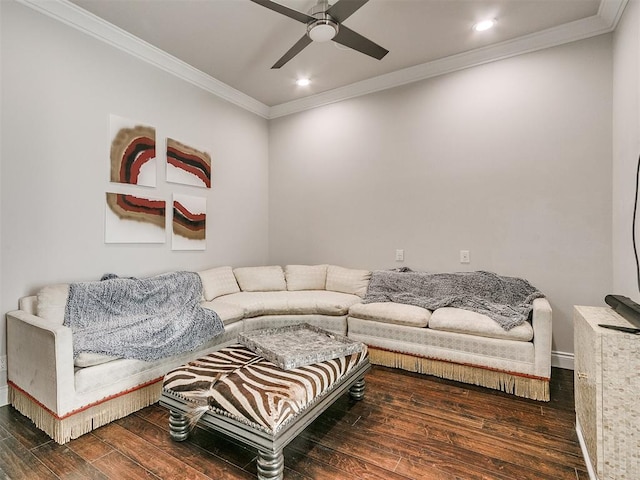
column 134, row 219
column 189, row 222
column 132, row 157
column 188, row 165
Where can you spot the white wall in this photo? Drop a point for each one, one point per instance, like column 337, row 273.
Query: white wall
column 626, row 148
column 58, row 88
column 510, row 160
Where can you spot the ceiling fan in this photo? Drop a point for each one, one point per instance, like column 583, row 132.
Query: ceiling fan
column 324, row 23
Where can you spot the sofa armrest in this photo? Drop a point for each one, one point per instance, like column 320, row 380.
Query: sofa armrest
column 542, row 331
column 40, row 360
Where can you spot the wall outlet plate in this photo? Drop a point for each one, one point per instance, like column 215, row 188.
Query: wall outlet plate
column 464, row 256
column 3, row 363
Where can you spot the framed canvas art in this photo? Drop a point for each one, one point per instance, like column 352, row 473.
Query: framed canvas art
column 187, row 165
column 189, row 222
column 133, row 152
column 134, row 219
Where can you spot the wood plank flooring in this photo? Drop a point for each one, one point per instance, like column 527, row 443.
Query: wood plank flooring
column 408, row 426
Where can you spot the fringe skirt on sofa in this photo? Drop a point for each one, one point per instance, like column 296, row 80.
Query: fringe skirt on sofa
column 86, row 419
column 534, row 388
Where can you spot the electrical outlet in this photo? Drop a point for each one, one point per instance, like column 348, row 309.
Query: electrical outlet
column 3, row 363
column 464, row 256
column 399, row 255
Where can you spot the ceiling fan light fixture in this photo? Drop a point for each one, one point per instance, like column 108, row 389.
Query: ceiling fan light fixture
column 322, row 30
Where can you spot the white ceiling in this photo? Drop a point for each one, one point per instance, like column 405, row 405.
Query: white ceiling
column 237, row 41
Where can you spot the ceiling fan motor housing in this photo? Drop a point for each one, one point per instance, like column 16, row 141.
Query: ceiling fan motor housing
column 324, row 28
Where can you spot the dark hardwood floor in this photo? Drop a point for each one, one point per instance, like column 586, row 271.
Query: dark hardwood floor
column 408, row 426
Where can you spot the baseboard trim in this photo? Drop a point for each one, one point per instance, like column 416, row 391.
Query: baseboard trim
column 562, row 360
column 4, row 395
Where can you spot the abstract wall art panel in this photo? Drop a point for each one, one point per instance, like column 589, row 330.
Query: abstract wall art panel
column 189, row 222
column 135, row 219
column 133, row 152
column 187, row 165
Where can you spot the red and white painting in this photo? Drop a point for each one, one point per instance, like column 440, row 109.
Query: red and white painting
column 189, row 222
column 188, row 165
column 135, row 219
column 133, row 152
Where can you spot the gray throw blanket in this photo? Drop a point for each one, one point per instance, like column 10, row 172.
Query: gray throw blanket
column 145, row 319
column 507, row 300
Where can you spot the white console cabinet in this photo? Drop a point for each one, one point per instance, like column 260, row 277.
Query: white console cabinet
column 607, row 394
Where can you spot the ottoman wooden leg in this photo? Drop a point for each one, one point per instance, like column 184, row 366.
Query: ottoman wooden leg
column 357, row 389
column 270, row 465
column 178, row 426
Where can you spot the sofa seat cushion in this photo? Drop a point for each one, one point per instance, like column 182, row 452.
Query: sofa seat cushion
column 90, row 359
column 457, row 320
column 228, row 312
column 304, row 302
column 95, row 383
column 391, row 312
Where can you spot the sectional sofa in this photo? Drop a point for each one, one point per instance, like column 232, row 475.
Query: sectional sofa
column 67, row 397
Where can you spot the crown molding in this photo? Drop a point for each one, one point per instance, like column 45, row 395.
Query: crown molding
column 76, row 17
column 611, row 10
column 604, row 21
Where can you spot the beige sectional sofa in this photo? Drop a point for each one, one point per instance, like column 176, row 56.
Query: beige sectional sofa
column 67, row 398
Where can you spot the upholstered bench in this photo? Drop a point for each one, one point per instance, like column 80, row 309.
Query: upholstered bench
column 241, row 394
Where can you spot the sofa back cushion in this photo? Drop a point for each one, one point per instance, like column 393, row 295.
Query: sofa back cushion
column 260, row 279
column 52, row 302
column 348, row 280
column 218, row 281
column 306, row 277
column 29, row 304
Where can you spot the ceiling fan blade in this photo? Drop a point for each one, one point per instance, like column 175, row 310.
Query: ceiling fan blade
column 343, row 9
column 289, row 12
column 293, row 51
column 351, row 39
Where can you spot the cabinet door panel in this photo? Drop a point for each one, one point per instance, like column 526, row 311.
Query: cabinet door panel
column 585, row 372
column 607, row 389
column 620, row 406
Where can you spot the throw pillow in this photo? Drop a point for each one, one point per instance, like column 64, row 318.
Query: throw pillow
column 348, row 280
column 260, row 279
column 52, row 302
column 218, row 281
column 306, row 277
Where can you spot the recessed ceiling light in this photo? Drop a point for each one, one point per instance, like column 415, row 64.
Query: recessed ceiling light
column 484, row 25
column 303, row 82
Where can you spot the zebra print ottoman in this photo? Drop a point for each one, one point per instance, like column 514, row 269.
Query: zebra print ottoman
column 243, row 395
